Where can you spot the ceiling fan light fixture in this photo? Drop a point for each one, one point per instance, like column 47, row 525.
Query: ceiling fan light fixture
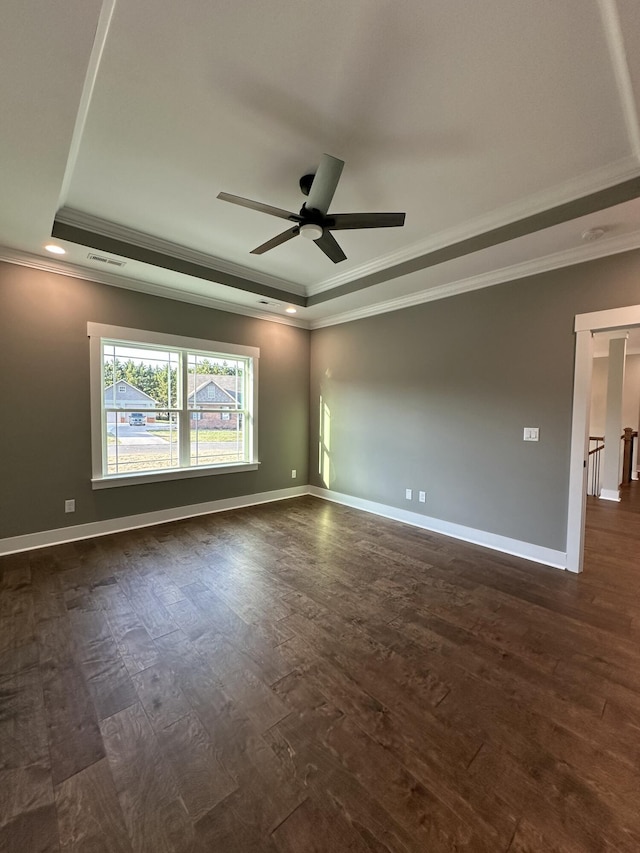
column 311, row 231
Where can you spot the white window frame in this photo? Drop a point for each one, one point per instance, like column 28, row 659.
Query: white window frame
column 97, row 332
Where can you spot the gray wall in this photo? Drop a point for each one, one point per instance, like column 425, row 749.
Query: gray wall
column 45, row 453
column 435, row 397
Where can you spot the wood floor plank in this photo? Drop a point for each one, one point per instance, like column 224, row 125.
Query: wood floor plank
column 72, row 723
column 154, row 615
column 317, row 771
column 27, row 807
column 236, row 740
column 159, row 691
column 154, row 813
column 89, row 813
column 202, row 780
column 309, row 829
column 223, row 829
column 135, row 646
column 107, row 678
column 35, row 831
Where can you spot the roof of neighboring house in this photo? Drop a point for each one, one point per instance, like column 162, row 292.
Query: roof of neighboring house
column 132, row 394
column 225, row 387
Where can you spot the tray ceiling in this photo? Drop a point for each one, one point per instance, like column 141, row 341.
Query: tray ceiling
column 124, row 121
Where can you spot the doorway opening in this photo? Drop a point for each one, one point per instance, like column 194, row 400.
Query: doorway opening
column 586, row 325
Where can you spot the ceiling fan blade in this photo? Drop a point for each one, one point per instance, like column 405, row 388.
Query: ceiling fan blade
column 324, row 183
column 330, row 247
column 342, row 221
column 259, row 206
column 276, row 241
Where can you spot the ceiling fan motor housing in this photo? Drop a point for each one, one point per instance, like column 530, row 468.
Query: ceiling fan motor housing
column 305, row 183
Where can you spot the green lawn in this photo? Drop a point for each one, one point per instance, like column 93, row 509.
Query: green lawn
column 203, row 434
column 158, row 460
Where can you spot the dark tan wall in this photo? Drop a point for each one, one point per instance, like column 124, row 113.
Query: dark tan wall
column 45, row 453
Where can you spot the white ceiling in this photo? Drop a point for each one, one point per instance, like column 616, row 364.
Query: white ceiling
column 129, row 118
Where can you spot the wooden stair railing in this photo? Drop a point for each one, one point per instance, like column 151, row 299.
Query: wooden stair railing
column 628, row 437
column 593, row 478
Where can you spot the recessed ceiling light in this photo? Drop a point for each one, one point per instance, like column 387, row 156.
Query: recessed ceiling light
column 55, row 250
column 291, row 310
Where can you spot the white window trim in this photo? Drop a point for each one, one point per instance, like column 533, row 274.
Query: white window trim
column 95, row 333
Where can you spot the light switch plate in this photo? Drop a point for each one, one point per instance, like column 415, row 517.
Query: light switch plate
column 531, row 434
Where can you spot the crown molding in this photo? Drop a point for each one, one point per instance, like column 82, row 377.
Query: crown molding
column 88, row 222
column 558, row 260
column 25, row 259
column 572, row 190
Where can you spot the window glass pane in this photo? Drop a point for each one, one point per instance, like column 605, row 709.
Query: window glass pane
column 139, row 378
column 141, row 441
column 217, row 437
column 215, row 382
column 152, row 393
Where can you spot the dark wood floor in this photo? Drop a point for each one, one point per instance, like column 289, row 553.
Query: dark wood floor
column 303, row 677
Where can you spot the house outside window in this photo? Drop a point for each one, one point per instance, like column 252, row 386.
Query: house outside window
column 167, row 407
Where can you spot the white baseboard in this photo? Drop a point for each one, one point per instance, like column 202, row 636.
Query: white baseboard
column 514, row 547
column 29, row 541
column 609, row 495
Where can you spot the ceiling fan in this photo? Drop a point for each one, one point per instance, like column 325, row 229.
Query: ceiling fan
column 314, row 221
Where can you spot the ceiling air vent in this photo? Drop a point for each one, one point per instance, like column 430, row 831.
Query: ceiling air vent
column 112, row 262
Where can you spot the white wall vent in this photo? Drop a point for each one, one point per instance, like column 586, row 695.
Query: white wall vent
column 110, row 261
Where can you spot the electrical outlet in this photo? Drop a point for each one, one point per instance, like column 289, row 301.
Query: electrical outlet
column 408, row 493
column 294, row 473
column 70, row 506
column 422, row 497
column 531, row 434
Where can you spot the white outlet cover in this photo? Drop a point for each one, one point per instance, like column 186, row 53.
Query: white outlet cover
column 531, row 434
column 422, row 497
column 408, row 493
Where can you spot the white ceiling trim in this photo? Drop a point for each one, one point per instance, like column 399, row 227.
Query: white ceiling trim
column 569, row 257
column 584, row 185
column 618, row 54
column 25, row 259
column 102, row 30
column 86, row 221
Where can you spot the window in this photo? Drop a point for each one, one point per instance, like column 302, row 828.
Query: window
column 166, row 422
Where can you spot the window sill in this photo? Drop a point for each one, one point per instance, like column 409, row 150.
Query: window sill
column 160, row 476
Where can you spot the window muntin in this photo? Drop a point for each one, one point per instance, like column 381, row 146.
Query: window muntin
column 172, row 410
